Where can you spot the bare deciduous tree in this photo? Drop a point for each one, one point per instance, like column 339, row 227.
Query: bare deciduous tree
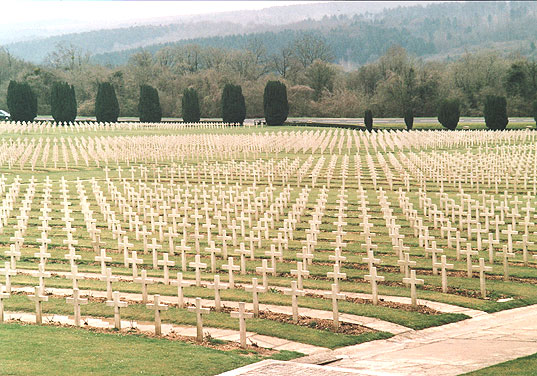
column 311, row 47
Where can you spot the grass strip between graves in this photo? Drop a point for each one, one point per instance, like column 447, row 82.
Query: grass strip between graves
column 46, row 350
column 138, row 312
column 410, row 319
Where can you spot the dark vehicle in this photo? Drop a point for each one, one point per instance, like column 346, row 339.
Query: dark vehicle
column 4, row 115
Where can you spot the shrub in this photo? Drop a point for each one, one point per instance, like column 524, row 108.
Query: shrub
column 63, row 105
column 275, row 103
column 190, row 106
column 449, row 113
column 149, row 109
column 233, row 104
column 409, row 118
column 495, row 112
column 106, row 104
column 21, row 101
column 368, row 120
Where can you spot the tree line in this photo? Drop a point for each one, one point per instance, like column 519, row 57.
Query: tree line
column 398, row 84
column 22, row 103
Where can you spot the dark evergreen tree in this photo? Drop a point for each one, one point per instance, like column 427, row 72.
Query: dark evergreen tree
column 368, row 120
column 495, row 112
column 149, row 106
column 233, row 104
column 190, row 106
column 275, row 103
column 535, row 111
column 409, row 118
column 21, row 101
column 449, row 113
column 74, row 104
column 63, row 102
column 106, row 104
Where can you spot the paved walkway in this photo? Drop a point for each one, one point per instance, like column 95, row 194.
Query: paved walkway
column 451, row 349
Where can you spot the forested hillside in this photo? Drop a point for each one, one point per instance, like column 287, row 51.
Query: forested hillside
column 351, row 42
column 169, row 29
column 436, row 31
column 356, row 33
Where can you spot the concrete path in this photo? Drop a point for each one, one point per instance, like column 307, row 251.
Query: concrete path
column 451, row 349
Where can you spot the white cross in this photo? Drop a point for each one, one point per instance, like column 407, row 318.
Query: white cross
column 41, row 274
column 109, row 278
column 144, row 281
column 117, row 304
column 444, row 265
column 413, row 282
column 157, row 307
column 74, row 276
column 469, row 253
column 373, row 278
column 38, row 298
column 197, row 264
column 482, row 269
column 242, row 251
column 230, row 268
column 3, row 295
column 154, row 247
column 506, row 255
column 264, row 269
column 217, row 286
column 255, row 289
column 335, row 295
column 242, row 315
column 135, row 261
column 300, row 272
column 165, row 263
column 76, row 301
column 103, row 259
column 294, row 292
column 199, row 310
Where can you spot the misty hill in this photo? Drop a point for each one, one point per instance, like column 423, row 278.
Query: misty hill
column 434, row 31
column 170, row 29
column 357, row 32
column 351, row 42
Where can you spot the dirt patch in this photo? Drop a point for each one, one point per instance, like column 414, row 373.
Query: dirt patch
column 314, row 323
column 404, row 307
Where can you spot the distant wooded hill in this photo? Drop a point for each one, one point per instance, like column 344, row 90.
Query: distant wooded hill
column 434, row 31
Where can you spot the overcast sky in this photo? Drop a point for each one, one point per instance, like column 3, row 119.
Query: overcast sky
column 102, row 12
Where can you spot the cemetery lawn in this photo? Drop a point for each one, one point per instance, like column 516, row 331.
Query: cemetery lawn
column 174, row 315
column 526, row 365
column 45, row 350
column 411, row 319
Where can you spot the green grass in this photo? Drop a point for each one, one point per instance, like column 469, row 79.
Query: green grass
column 28, row 350
column 410, row 319
column 524, row 366
column 138, row 312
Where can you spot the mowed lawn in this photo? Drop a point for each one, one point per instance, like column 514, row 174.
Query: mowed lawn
column 45, row 350
column 525, row 366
